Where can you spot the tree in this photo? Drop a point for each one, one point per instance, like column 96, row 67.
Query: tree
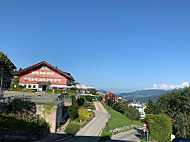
column 132, row 113
column 119, row 107
column 6, row 66
column 73, row 109
column 152, row 108
column 93, row 91
column 176, row 104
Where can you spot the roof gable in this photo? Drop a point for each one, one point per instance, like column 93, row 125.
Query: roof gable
column 39, row 65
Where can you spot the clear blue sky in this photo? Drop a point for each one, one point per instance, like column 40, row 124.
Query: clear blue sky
column 118, row 45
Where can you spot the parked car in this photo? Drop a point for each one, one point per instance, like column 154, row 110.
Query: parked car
column 180, row 140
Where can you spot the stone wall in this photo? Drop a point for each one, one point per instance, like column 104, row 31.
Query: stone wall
column 7, row 135
column 48, row 114
column 118, row 130
column 52, row 113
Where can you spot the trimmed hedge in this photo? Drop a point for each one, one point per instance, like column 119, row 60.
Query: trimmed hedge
column 159, row 126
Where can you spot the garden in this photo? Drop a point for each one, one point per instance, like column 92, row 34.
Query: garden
column 20, row 120
column 80, row 113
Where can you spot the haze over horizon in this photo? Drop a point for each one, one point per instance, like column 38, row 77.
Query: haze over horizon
column 115, row 45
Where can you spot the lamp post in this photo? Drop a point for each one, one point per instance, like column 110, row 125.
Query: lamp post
column 1, row 83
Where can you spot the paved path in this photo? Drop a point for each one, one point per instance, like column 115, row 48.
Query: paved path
column 90, row 132
column 128, row 136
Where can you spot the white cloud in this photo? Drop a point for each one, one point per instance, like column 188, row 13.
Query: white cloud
column 167, row 87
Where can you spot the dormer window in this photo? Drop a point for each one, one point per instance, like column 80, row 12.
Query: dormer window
column 44, row 67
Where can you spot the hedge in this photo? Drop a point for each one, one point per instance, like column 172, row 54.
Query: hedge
column 59, row 91
column 159, row 126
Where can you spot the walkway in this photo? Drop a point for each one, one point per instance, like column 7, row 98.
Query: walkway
column 90, row 132
column 128, row 136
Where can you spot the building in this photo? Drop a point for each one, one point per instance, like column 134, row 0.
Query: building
column 6, row 71
column 138, row 106
column 43, row 76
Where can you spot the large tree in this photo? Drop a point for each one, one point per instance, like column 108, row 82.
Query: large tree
column 6, row 66
column 175, row 104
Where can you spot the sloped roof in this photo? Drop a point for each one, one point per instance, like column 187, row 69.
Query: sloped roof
column 39, row 65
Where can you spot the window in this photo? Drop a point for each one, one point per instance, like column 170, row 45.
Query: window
column 35, row 72
column 44, row 67
column 57, row 80
column 43, row 72
column 42, row 79
column 26, row 79
column 49, row 73
column 24, row 86
column 34, row 79
column 34, row 86
column 49, row 79
column 29, row 86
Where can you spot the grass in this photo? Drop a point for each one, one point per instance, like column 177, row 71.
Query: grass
column 117, row 120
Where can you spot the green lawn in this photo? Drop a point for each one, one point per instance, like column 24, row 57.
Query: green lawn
column 117, row 120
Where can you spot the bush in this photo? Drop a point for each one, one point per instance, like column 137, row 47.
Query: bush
column 72, row 128
column 132, row 113
column 59, row 91
column 30, row 90
column 80, row 101
column 22, row 122
column 17, row 105
column 83, row 114
column 73, row 109
column 119, row 107
column 159, row 126
column 88, row 105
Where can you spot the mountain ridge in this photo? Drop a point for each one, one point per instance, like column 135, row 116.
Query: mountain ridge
column 143, row 95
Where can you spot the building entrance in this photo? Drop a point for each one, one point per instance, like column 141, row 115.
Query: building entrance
column 44, row 87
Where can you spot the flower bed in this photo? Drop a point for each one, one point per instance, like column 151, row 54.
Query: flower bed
column 22, row 126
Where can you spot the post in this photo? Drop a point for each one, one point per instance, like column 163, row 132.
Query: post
column 147, row 134
column 1, row 82
column 107, row 125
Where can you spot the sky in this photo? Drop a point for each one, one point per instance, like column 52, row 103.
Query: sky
column 117, row 45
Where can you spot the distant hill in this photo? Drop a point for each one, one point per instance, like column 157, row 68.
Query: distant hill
column 143, row 95
column 101, row 90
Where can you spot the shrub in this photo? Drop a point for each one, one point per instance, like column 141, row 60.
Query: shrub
column 59, row 91
column 132, row 113
column 88, row 105
column 31, row 90
column 159, row 126
column 80, row 101
column 119, row 107
column 83, row 114
column 73, row 109
column 22, row 122
column 18, row 105
column 72, row 128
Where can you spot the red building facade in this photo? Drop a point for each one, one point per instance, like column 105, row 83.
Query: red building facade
column 43, row 76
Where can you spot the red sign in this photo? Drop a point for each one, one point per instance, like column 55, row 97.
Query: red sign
column 144, row 125
column 144, row 130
